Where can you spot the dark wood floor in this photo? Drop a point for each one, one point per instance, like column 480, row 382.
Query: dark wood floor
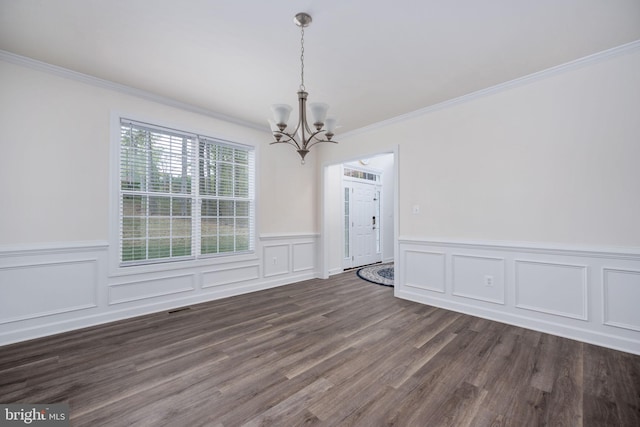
column 334, row 352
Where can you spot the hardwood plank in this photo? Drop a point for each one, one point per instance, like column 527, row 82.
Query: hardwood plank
column 322, row 352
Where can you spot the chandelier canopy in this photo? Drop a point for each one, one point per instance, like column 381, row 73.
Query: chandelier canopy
column 303, row 137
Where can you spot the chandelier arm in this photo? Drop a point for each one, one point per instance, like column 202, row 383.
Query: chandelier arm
column 285, row 142
column 291, row 140
column 314, row 136
column 318, row 140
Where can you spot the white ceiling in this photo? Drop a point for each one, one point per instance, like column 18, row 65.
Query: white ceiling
column 371, row 60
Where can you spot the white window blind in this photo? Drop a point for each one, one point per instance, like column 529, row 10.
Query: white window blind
column 183, row 196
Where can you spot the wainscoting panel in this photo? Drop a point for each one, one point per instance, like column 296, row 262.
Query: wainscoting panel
column 303, row 256
column 425, row 270
column 44, row 288
column 166, row 284
column 276, row 260
column 536, row 281
column 478, row 277
column 53, row 288
column 621, row 298
column 586, row 294
column 228, row 276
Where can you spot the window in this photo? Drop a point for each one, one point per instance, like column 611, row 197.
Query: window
column 354, row 173
column 183, row 196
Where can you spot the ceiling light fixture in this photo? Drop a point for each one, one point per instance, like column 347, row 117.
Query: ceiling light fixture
column 302, row 137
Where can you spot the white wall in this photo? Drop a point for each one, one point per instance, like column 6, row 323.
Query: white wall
column 534, row 183
column 55, row 142
column 58, row 266
column 549, row 160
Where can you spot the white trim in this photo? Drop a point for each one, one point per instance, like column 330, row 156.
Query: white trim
column 51, row 248
column 118, row 87
column 630, row 253
column 287, row 236
column 501, row 87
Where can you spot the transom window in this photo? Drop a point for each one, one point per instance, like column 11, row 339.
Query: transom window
column 182, row 195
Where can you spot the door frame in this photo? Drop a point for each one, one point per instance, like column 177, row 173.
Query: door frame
column 323, row 249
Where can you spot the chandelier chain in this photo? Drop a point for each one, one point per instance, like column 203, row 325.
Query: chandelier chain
column 302, row 59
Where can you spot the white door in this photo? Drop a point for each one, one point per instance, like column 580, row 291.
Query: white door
column 363, row 225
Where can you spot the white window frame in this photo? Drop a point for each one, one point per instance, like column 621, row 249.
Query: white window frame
column 116, row 267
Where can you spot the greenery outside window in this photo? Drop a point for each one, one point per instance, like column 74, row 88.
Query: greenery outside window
column 182, row 195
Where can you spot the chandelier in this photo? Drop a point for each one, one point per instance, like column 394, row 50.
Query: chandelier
column 303, row 137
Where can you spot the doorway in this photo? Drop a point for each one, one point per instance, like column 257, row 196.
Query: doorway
column 362, row 219
column 334, row 229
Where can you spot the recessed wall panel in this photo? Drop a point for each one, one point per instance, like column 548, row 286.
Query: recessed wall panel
column 424, row 270
column 41, row 289
column 276, row 260
column 553, row 288
column 150, row 288
column 303, row 256
column 478, row 277
column 227, row 276
column 621, row 298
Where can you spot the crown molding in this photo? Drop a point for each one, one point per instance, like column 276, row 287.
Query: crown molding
column 520, row 81
column 117, row 87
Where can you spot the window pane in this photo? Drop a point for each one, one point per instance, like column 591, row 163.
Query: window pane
column 160, row 206
column 225, row 154
column 242, row 208
column 159, row 227
column 181, row 247
column 209, row 208
column 209, row 226
column 226, row 226
column 159, row 248
column 181, row 206
column 241, row 157
column 134, row 250
column 227, row 244
column 242, row 243
column 134, row 227
column 225, row 184
column 209, row 244
column 134, row 205
column 208, row 169
column 226, row 208
column 181, row 227
column 241, row 181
